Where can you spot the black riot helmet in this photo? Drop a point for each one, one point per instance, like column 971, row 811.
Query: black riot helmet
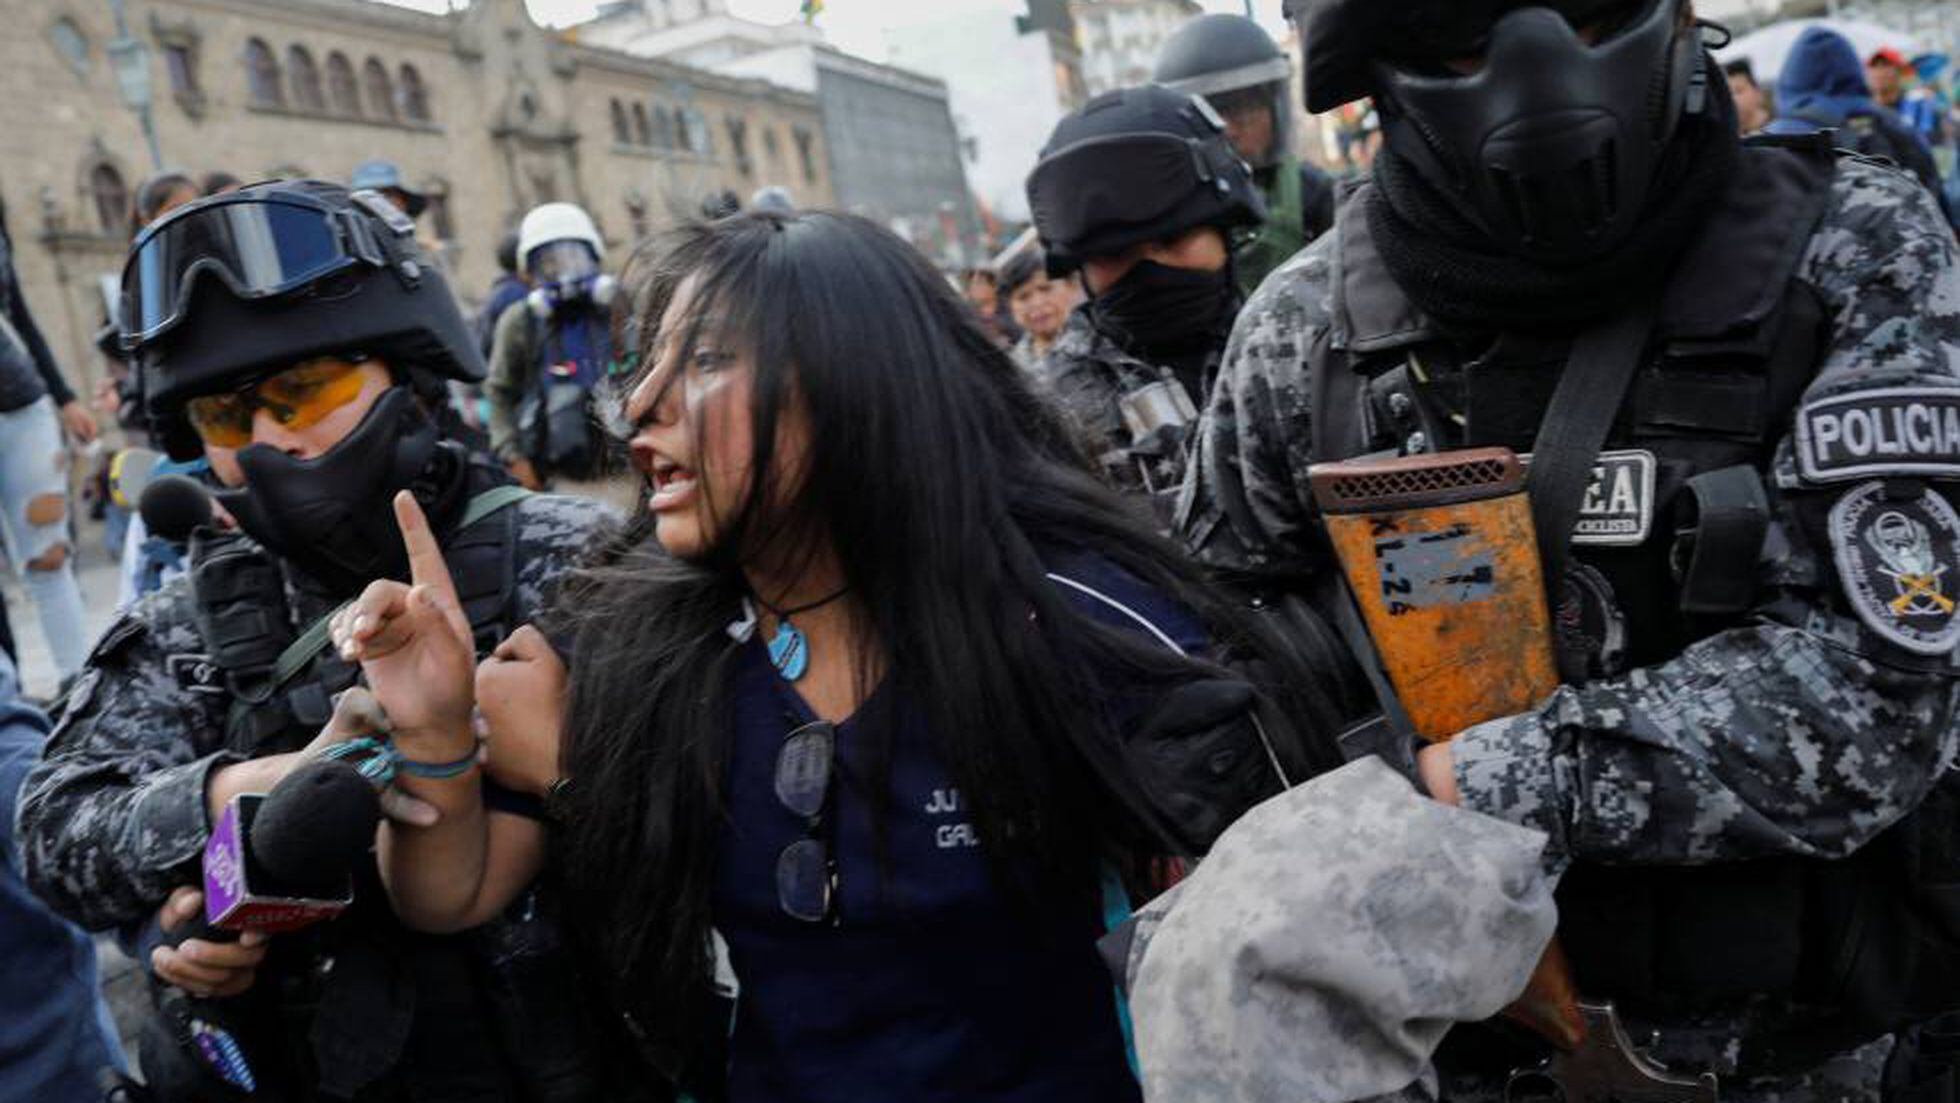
column 238, row 286
column 1541, row 121
column 1233, row 63
column 1133, row 166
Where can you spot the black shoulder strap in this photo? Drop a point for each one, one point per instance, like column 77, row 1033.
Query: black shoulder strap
column 1589, row 395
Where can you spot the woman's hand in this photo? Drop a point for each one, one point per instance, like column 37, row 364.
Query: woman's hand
column 414, row 647
column 79, row 423
column 520, row 694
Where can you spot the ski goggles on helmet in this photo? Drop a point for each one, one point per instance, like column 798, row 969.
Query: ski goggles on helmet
column 1082, row 190
column 257, row 246
column 301, row 396
column 1443, row 30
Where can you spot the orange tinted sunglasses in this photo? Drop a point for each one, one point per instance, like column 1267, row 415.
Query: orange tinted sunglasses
column 300, row 396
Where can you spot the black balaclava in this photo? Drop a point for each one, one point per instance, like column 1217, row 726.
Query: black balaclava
column 1169, row 316
column 332, row 516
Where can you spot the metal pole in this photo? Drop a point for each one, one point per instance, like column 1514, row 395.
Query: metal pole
column 140, row 105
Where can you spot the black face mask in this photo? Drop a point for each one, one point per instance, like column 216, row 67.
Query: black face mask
column 332, row 516
column 1155, row 307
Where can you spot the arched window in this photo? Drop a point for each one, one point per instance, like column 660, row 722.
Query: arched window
column 262, row 74
column 380, row 90
column 738, row 138
column 803, row 153
column 640, row 134
column 772, row 150
column 343, row 91
column 415, row 95
column 622, row 136
column 441, row 217
column 692, row 128
column 305, row 76
column 636, row 214
column 663, row 128
column 72, row 43
column 111, row 196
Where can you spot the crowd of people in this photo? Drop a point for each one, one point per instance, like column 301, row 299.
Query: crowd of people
column 1885, row 106
column 1478, row 631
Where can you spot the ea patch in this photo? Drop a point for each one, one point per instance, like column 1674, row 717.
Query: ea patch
column 1900, row 562
column 1893, row 431
column 1618, row 509
column 196, row 673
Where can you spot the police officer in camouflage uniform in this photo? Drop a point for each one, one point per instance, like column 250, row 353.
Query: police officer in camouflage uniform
column 300, row 324
column 1237, row 67
column 1747, row 775
column 1141, row 193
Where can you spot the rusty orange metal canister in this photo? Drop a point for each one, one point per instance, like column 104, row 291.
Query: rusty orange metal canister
column 1441, row 556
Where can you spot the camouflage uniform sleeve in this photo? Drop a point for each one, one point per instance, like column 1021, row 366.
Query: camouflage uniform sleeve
column 553, row 533
column 1241, row 510
column 112, row 818
column 1080, row 384
column 1801, row 732
column 508, row 377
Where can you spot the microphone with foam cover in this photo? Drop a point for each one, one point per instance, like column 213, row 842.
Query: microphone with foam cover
column 173, row 505
column 303, row 843
column 314, row 827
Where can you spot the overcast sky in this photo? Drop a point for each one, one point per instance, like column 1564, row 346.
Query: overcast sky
column 854, row 25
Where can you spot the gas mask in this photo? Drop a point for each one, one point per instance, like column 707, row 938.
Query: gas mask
column 1551, row 146
column 566, row 276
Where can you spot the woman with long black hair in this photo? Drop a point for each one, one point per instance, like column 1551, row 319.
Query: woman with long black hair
column 871, row 712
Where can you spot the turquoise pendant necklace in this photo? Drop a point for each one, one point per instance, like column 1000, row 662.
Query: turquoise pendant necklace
column 789, row 648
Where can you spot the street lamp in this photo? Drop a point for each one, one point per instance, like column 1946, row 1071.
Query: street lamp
column 129, row 59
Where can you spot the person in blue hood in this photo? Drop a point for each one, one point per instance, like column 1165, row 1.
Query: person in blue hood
column 1823, row 87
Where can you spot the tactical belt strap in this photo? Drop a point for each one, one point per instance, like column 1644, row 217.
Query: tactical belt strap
column 314, row 640
column 1590, row 391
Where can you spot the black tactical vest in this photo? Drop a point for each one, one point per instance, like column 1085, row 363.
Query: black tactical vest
column 507, row 997
column 1667, row 547
column 242, row 612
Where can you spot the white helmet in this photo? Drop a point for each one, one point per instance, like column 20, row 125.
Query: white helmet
column 549, row 222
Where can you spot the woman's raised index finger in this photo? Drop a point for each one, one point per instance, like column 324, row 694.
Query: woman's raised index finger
column 425, row 563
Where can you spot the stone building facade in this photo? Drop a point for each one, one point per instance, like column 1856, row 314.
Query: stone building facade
column 1120, row 38
column 485, row 110
column 894, row 152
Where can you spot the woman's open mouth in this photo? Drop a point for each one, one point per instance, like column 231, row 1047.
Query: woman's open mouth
column 672, row 484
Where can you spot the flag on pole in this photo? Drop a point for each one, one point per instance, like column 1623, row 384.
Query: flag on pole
column 811, row 9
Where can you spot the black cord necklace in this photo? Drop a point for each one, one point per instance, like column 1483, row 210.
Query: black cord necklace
column 789, row 648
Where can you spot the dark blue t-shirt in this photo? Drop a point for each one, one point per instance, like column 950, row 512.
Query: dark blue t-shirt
column 930, row 987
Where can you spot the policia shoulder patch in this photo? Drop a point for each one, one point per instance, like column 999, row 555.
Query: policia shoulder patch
column 1899, row 559
column 1893, row 431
